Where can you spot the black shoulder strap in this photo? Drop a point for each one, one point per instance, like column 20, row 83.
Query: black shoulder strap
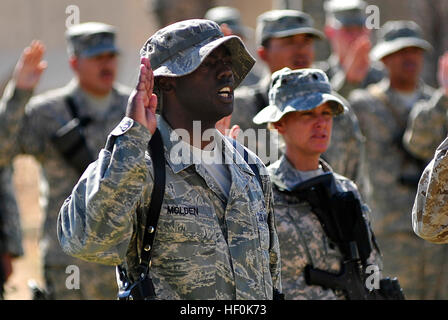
column 72, row 106
column 155, row 148
column 70, row 101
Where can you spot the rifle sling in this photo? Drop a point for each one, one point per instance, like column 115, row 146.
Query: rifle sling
column 156, row 150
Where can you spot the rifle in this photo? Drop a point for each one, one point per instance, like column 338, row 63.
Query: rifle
column 341, row 217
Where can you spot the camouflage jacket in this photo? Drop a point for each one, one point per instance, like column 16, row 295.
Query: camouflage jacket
column 302, row 238
column 28, row 128
column 204, row 247
column 431, row 202
column 10, row 227
column 392, row 170
column 346, row 151
column 427, row 126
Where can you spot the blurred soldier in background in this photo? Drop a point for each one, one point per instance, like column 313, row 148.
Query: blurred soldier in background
column 285, row 38
column 428, row 121
column 383, row 111
column 170, row 11
column 432, row 16
column 349, row 66
column 10, row 227
column 63, row 129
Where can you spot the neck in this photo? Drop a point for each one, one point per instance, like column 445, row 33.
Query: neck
column 194, row 129
column 302, row 162
column 94, row 93
column 403, row 85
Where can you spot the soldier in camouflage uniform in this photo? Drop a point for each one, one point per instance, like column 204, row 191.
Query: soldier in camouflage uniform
column 349, row 66
column 10, row 228
column 431, row 203
column 383, row 110
column 215, row 237
column 91, row 104
column 285, row 38
column 428, row 121
column 302, row 108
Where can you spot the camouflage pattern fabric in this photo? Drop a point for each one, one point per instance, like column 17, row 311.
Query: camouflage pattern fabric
column 204, row 248
column 302, row 238
column 431, row 205
column 180, row 48
column 10, row 226
column 427, row 126
column 391, row 201
column 27, row 129
column 386, row 160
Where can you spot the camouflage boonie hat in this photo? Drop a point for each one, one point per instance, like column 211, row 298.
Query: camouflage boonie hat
column 284, row 23
column 298, row 90
column 397, row 35
column 231, row 17
column 181, row 47
column 90, row 39
column 341, row 13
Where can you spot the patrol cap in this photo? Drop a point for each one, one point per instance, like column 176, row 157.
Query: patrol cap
column 298, row 90
column 284, row 23
column 340, row 13
column 230, row 16
column 90, row 39
column 397, row 35
column 180, row 48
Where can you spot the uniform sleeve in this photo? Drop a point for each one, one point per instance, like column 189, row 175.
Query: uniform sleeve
column 10, row 226
column 430, row 210
column 274, row 248
column 96, row 221
column 12, row 110
column 427, row 126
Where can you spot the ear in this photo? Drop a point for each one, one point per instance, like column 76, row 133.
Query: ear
column 73, row 61
column 262, row 53
column 329, row 32
column 280, row 126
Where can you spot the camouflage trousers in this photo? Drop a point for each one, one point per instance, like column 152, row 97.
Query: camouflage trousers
column 95, row 282
column 420, row 266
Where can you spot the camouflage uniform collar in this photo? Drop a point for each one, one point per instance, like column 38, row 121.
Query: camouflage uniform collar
column 422, row 88
column 284, row 175
column 174, row 156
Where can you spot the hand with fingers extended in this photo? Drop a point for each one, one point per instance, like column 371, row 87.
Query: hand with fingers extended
column 357, row 62
column 142, row 103
column 30, row 66
column 443, row 72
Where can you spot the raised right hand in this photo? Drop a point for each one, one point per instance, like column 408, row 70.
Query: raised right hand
column 142, row 103
column 30, row 66
column 357, row 62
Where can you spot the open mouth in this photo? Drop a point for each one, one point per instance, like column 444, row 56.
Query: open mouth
column 226, row 93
